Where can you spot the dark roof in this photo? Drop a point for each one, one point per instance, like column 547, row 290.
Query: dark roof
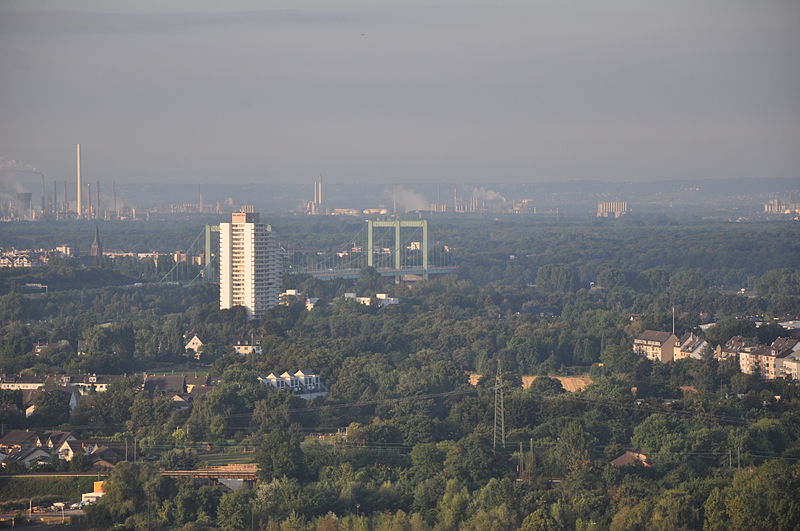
column 760, row 350
column 55, row 436
column 197, row 391
column 22, row 455
column 783, row 346
column 106, row 453
column 655, row 335
column 200, row 379
column 736, row 344
column 25, row 378
column 173, row 383
column 87, row 378
column 18, row 437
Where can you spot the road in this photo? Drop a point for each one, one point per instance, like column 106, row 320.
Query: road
column 57, row 475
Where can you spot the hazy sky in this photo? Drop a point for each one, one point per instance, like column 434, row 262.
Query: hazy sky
column 401, row 91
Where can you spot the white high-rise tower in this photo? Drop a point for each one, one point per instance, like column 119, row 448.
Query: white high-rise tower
column 250, row 265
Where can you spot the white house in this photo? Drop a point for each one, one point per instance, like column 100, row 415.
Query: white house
column 689, row 346
column 194, row 345
column 304, row 384
column 382, row 299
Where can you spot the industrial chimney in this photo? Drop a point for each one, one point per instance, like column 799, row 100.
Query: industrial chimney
column 78, row 203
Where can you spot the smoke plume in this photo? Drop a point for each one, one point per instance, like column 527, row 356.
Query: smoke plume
column 407, row 199
column 487, row 195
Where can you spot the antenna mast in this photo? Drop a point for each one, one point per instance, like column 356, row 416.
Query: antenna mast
column 673, row 320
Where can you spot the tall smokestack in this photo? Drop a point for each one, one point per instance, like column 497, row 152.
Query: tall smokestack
column 78, row 204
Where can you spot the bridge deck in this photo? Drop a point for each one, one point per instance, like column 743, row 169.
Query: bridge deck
column 208, row 474
column 383, row 271
column 246, row 472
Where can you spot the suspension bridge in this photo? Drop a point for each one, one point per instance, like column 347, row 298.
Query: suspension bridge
column 402, row 249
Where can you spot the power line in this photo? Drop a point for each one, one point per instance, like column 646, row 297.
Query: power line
column 499, row 408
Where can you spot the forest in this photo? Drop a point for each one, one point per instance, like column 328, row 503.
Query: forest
column 423, row 449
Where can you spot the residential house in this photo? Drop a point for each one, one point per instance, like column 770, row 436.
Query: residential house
column 180, row 402
column 194, row 345
column 777, row 360
column 381, row 299
column 732, row 348
column 52, row 440
column 28, row 457
column 631, row 458
column 304, row 384
column 292, row 294
column 758, row 360
column 689, row 346
column 192, row 382
column 16, row 440
column 307, row 379
column 166, row 384
column 40, row 347
column 86, row 383
column 655, row 345
column 69, row 449
column 104, row 458
column 366, row 301
column 29, row 397
column 385, row 300
column 247, row 344
column 22, row 382
column 287, row 296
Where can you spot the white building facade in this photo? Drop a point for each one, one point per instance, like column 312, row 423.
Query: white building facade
column 250, row 265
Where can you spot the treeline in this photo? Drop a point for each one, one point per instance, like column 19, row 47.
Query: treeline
column 544, row 327
column 730, row 254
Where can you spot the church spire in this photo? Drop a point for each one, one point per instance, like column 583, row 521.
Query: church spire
column 96, row 250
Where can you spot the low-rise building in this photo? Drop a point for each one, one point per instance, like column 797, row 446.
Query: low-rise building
column 304, row 384
column 778, row 360
column 166, row 384
column 195, row 381
column 96, row 494
column 386, row 300
column 29, row 457
column 53, row 439
column 381, row 299
column 22, row 382
column 290, row 294
column 194, row 345
column 15, row 440
column 655, row 345
column 732, row 348
column 86, row 383
column 631, row 458
column 689, row 346
column 67, row 450
column 246, row 345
